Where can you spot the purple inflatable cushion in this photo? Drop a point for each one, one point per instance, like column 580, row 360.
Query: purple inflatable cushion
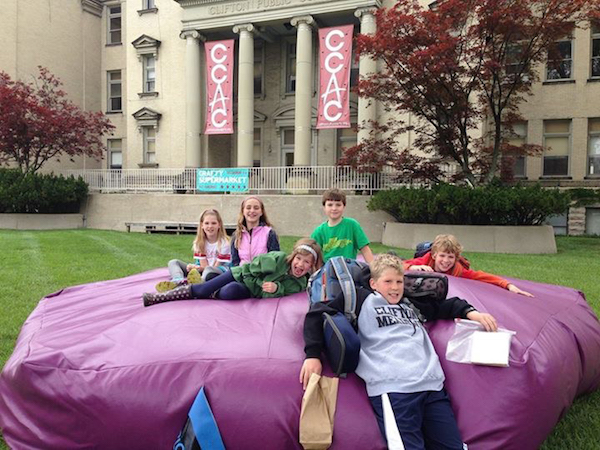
column 93, row 368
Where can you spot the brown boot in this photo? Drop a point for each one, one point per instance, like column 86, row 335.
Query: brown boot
column 180, row 293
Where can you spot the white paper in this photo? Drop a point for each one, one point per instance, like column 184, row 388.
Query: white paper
column 470, row 344
column 490, row 348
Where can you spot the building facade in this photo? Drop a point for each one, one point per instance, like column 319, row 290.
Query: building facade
column 143, row 63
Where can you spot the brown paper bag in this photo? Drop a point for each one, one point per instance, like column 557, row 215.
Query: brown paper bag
column 317, row 412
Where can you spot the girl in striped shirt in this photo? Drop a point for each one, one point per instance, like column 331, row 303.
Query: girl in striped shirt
column 212, row 254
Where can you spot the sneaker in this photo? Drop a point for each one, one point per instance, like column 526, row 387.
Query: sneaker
column 194, row 277
column 165, row 286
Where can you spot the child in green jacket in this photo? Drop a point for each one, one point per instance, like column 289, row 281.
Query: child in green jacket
column 271, row 274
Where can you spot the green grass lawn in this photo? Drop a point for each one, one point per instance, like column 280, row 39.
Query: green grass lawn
column 34, row 264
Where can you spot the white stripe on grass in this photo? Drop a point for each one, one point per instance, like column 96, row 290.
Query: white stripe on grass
column 118, row 253
column 34, row 252
column 141, row 240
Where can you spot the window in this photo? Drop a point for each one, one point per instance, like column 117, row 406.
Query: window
column 148, row 4
column 594, row 147
column 557, row 143
column 115, row 153
column 114, row 91
column 513, row 61
column 592, row 221
column 560, row 61
column 288, row 138
column 259, row 49
column 114, row 25
column 290, row 67
column 595, row 63
column 149, row 73
column 149, row 134
column 257, row 149
column 518, row 138
column 347, row 137
column 354, row 68
column 560, row 224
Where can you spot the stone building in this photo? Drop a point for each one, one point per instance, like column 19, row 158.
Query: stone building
column 143, row 63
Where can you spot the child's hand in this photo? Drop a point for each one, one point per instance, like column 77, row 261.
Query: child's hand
column 423, row 268
column 512, row 288
column 193, row 266
column 269, row 287
column 485, row 319
column 310, row 366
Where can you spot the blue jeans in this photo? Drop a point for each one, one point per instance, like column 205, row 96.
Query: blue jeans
column 425, row 420
column 222, row 286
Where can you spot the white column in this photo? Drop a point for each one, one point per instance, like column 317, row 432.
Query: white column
column 193, row 109
column 245, row 130
column 367, row 108
column 304, row 90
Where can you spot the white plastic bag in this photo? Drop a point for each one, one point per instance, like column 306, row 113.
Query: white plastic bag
column 471, row 344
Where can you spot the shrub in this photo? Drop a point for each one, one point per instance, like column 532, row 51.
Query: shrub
column 40, row 193
column 492, row 204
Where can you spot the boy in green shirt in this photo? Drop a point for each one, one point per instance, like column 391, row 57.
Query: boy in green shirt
column 339, row 235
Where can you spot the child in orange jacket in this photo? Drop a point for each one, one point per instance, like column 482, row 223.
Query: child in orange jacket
column 444, row 257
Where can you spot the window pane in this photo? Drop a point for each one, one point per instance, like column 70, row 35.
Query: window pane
column 596, row 47
column 564, row 48
column 116, row 159
column 150, row 132
column 594, row 165
column 556, row 165
column 592, row 221
column 115, row 23
column 115, row 10
column 289, row 159
column 151, row 157
column 291, row 67
column 114, row 144
column 288, row 137
column 115, row 37
column 115, row 76
column 115, row 104
column 519, row 167
column 559, row 71
column 594, row 125
column 556, row 146
column 256, row 151
column 115, row 90
column 596, row 67
column 595, row 145
column 557, row 126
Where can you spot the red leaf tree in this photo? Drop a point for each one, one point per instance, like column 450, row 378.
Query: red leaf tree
column 38, row 122
column 455, row 66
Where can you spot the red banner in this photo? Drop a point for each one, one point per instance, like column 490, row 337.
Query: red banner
column 335, row 48
column 219, row 87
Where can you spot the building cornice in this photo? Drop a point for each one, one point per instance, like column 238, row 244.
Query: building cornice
column 210, row 14
column 92, row 6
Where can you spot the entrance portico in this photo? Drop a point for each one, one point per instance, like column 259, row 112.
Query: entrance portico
column 270, row 21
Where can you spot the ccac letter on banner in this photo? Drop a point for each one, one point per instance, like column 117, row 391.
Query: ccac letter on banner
column 335, row 53
column 219, row 87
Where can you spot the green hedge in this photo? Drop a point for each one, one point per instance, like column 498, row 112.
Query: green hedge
column 40, row 193
column 458, row 205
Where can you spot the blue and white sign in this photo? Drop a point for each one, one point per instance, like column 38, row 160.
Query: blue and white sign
column 222, row 180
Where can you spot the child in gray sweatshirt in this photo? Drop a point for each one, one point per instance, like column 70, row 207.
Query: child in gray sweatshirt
column 398, row 363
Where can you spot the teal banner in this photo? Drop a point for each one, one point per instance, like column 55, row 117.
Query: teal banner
column 222, row 180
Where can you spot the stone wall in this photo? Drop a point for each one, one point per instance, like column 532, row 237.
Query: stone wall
column 291, row 215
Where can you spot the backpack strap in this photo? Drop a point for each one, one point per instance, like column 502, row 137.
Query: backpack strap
column 347, row 285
